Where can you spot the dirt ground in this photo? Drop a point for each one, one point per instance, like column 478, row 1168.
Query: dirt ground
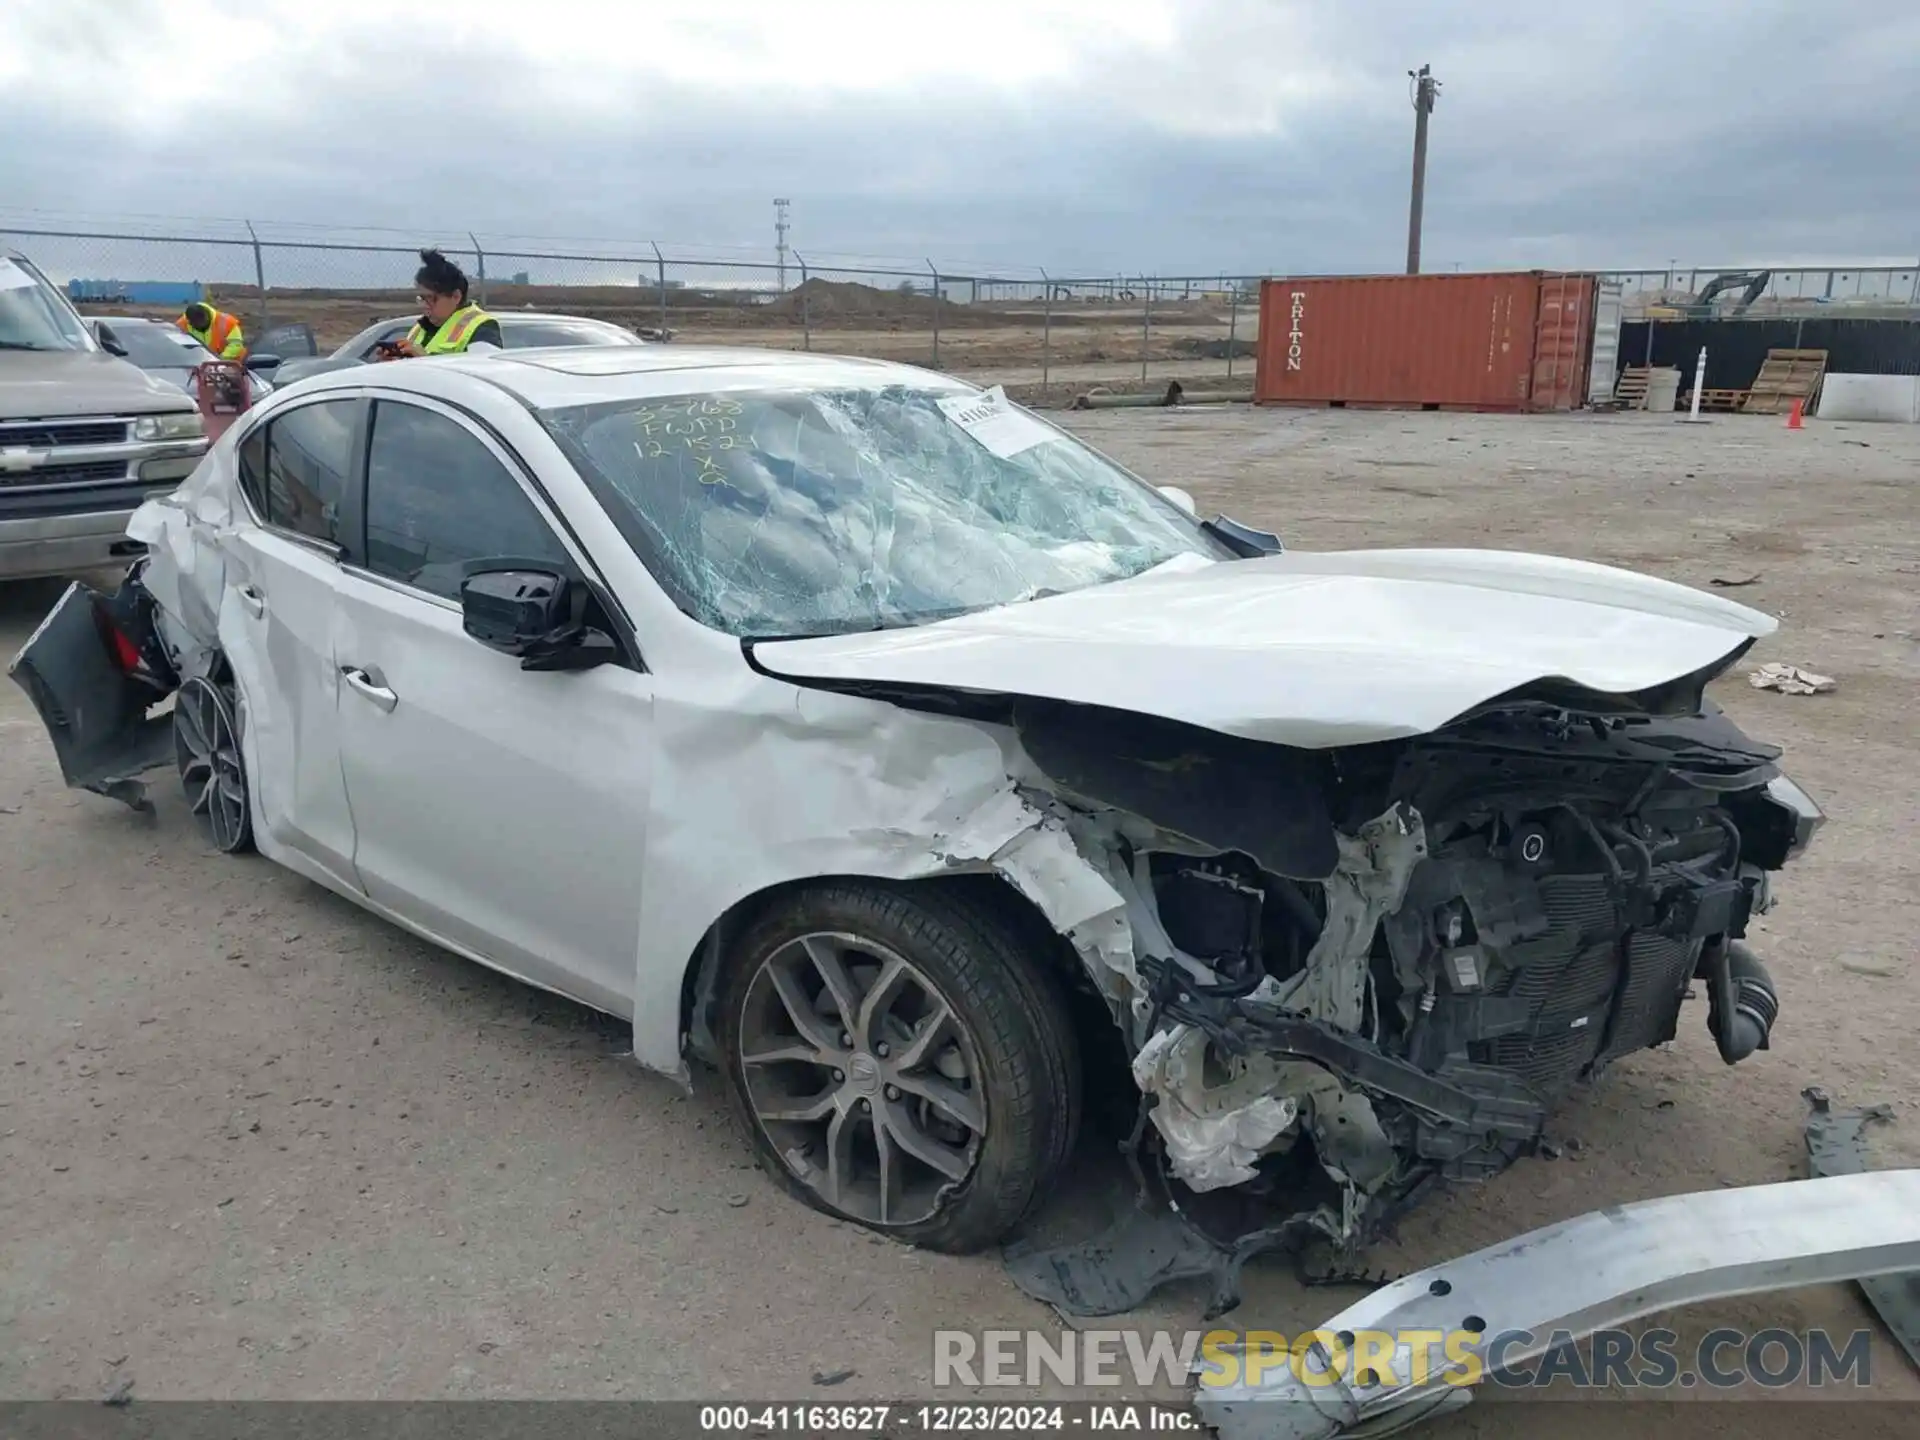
column 255, row 1143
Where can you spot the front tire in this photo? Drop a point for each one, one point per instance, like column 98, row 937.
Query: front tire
column 901, row 1060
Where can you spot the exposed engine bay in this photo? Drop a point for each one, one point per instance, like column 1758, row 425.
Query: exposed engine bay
column 1361, row 972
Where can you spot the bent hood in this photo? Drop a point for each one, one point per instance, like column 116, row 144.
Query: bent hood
column 1308, row 649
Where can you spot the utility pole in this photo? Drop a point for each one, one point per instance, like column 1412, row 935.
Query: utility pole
column 780, row 228
column 1426, row 90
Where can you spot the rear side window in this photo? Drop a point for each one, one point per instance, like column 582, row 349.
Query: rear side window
column 295, row 469
column 438, row 499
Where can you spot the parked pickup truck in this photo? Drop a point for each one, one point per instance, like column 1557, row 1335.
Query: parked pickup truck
column 85, row 436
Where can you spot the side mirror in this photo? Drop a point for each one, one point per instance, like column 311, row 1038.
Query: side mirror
column 1180, row 498
column 109, row 342
column 536, row 616
column 1245, row 541
column 263, row 362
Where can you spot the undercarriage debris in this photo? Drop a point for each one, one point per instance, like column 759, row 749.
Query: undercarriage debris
column 1837, row 1145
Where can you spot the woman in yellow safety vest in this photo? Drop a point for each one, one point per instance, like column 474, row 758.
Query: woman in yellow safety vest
column 448, row 324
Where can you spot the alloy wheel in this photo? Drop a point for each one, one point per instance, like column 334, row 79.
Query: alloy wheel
column 207, row 750
column 862, row 1076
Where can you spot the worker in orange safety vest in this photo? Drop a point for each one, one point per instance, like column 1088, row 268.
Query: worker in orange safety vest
column 215, row 329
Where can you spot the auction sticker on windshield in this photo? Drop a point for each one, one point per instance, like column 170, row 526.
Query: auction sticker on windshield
column 12, row 277
column 995, row 421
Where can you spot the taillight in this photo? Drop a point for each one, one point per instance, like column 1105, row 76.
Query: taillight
column 121, row 617
column 120, row 645
column 126, row 654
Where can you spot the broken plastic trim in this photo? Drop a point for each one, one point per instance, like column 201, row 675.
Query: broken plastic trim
column 1607, row 1267
column 1837, row 1145
column 1154, row 1243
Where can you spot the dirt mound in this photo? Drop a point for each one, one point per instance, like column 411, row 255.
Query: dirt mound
column 830, row 300
column 1214, row 349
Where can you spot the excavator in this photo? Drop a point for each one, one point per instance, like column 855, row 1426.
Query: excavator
column 1700, row 307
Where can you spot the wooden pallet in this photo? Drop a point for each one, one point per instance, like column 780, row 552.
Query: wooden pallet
column 1786, row 376
column 1630, row 390
column 1721, row 401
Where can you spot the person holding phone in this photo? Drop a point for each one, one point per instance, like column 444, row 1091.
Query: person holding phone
column 449, row 323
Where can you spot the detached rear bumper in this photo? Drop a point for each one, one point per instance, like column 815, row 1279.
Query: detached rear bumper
column 97, row 708
column 1604, row 1268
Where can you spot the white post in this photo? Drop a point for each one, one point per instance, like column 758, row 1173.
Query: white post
column 1699, row 379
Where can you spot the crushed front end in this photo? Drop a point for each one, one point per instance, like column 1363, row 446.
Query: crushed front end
column 1361, row 972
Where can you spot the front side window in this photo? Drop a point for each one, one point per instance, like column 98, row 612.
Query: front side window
column 805, row 512
column 438, row 500
column 296, row 468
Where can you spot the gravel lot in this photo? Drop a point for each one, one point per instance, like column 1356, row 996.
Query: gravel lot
column 255, row 1143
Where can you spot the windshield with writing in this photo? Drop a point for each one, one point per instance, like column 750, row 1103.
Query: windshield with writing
column 824, row 512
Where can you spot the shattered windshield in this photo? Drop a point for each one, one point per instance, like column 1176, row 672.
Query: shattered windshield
column 809, row 512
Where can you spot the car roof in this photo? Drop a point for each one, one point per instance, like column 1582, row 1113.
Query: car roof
column 555, row 377
column 510, row 315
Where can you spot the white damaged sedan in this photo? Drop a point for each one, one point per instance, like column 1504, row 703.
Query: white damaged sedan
column 863, row 733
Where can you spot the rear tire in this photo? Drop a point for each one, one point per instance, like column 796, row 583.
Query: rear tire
column 213, row 768
column 901, row 1060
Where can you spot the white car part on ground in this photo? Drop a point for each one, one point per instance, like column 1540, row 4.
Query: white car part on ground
column 1605, row 1268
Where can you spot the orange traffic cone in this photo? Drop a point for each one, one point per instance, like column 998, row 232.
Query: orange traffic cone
column 1793, row 415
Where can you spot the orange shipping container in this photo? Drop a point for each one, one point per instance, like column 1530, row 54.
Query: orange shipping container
column 1504, row 341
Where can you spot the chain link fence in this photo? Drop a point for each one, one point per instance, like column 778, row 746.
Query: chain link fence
column 1048, row 336
column 1853, row 290
column 1758, row 339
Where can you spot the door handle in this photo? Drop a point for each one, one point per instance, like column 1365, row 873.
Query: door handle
column 360, row 680
column 255, row 602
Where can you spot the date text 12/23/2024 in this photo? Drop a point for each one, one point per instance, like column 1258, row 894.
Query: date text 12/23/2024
column 962, row 1419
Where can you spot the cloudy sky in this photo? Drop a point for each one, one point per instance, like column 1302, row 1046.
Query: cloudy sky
column 1080, row 135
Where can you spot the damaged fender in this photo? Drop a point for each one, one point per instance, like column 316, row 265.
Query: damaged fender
column 889, row 794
